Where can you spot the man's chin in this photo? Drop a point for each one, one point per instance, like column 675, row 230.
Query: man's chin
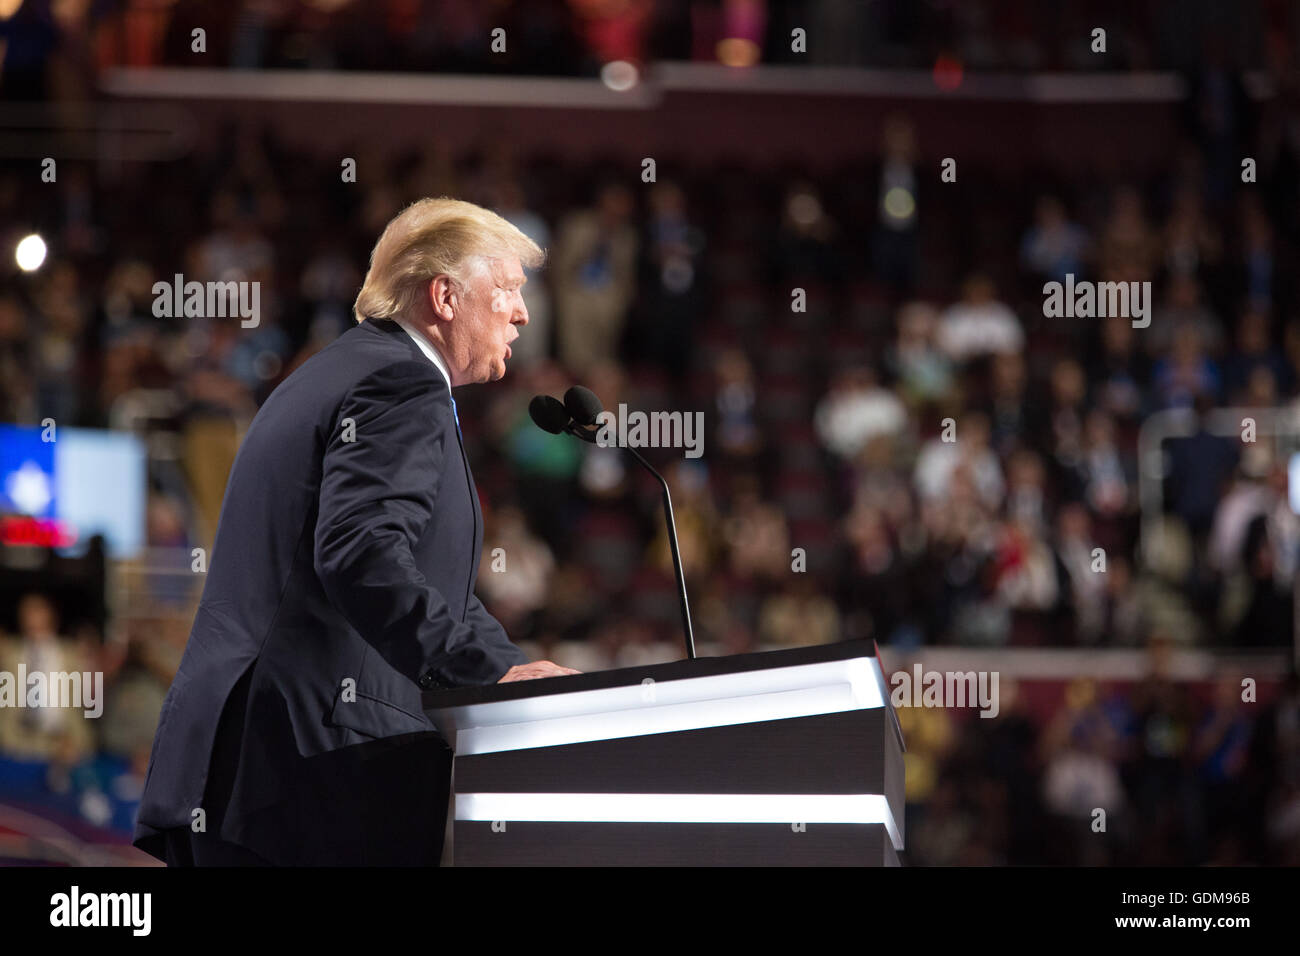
column 493, row 373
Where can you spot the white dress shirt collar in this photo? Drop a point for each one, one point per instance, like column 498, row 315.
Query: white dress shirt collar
column 427, row 348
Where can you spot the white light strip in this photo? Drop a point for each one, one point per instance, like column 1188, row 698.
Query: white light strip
column 358, row 86
column 663, row 707
column 352, row 86
column 858, row 808
column 656, row 720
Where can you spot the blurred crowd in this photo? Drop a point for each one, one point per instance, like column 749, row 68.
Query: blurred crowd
column 575, row 37
column 900, row 444
column 1186, row 774
column 948, row 464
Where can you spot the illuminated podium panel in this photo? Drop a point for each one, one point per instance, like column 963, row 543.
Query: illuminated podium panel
column 790, row 757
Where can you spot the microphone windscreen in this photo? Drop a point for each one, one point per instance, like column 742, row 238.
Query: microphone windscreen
column 548, row 414
column 583, row 405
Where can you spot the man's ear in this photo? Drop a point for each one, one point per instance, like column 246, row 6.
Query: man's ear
column 443, row 297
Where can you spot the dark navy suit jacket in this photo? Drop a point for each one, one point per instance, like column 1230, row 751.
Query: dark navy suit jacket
column 340, row 584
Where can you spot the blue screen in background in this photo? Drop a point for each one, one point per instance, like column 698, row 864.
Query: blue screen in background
column 27, row 484
column 93, row 481
column 1293, row 482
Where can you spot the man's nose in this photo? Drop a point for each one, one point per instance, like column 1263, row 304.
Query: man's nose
column 521, row 313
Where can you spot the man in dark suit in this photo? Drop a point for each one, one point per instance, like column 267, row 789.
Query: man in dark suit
column 341, row 580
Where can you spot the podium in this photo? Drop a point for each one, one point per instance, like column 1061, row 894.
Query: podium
column 790, row 757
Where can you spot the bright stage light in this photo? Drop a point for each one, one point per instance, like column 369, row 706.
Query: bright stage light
column 30, row 253
column 737, row 52
column 619, row 75
column 899, row 203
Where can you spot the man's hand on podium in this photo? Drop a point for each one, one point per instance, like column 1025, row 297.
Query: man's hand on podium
column 534, row 670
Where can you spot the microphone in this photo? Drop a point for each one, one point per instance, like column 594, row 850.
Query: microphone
column 583, row 405
column 581, row 408
column 548, row 414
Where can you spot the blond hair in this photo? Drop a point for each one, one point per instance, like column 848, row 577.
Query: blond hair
column 433, row 237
